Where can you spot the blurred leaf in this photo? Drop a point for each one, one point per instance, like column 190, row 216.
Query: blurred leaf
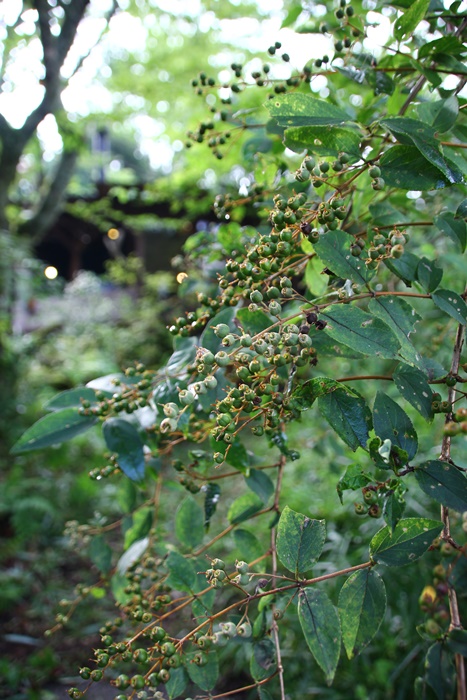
column 52, row 429
column 263, row 659
column 189, row 523
column 100, row 554
column 440, row 670
column 429, row 274
column 72, row 398
column 203, row 676
column 142, row 522
column 209, row 339
column 253, row 322
column 176, row 683
column 260, row 483
column 212, row 494
column 441, row 114
column 122, row 437
column 182, row 572
column 247, row 544
column 406, row 23
column 455, row 228
column 244, row 507
column 132, row 555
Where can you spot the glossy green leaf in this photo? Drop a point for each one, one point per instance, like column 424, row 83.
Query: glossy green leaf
column 189, row 523
column 203, row 676
column 182, row 572
column 429, row 274
column 461, row 211
column 176, row 683
column 452, row 304
column 362, row 605
column 348, row 414
column 295, row 109
column 360, row 331
column 122, row 437
column 441, row 114
column 244, row 507
column 413, row 132
column 401, row 318
column 184, row 353
column 212, row 495
column 260, row 483
column 323, row 140
column 413, row 385
column 406, row 23
column 141, row 524
column 300, row 540
column 408, row 542
column 443, row 482
column 321, row 629
column 247, row 544
column 453, row 227
column 392, row 423
column 52, row 429
column 238, row 456
column 333, row 250
column 307, row 393
column 406, row 168
column 353, row 479
column 263, row 659
column 457, row 641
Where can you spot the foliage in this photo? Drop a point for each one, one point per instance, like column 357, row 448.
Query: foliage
column 357, row 264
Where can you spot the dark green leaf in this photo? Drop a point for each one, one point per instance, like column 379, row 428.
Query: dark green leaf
column 457, row 641
column 212, row 494
column 300, row 540
column 321, row 629
column 348, row 414
column 413, row 385
column 362, row 604
column 331, row 348
column 182, row 572
column 381, row 83
column 406, row 23
column 405, row 267
column 247, row 544
column 260, row 483
column 441, row 114
column 142, row 522
column 296, row 109
column 263, row 659
column 452, row 304
column 443, row 482
column 453, row 227
column 413, row 132
column 393, row 509
column 334, row 251
column 189, row 523
column 323, row 140
column 253, row 322
column 100, row 554
column 72, row 398
column 353, row 479
column 440, row 670
column 203, row 676
column 53, row 429
column 360, row 331
column 409, row 541
column 122, row 437
column 461, row 211
column 244, row 507
column 176, row 683
column 401, row 318
column 406, row 168
column 238, row 456
column 307, row 393
column 392, row 423
column 429, row 274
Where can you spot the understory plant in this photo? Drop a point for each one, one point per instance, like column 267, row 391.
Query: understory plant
column 335, row 329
